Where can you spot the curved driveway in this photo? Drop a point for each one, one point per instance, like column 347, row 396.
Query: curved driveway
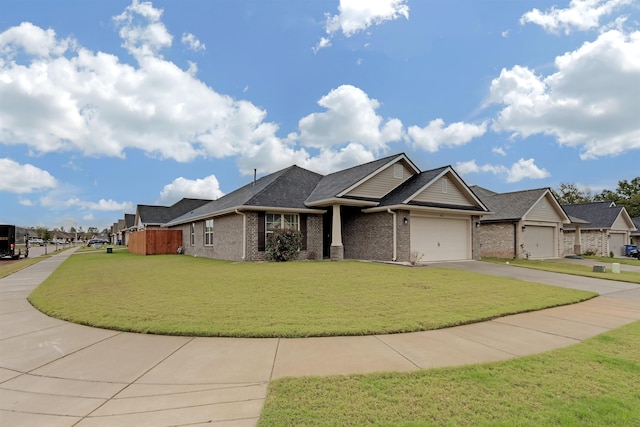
column 56, row 373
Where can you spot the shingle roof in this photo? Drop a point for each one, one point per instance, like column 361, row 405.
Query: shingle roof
column 599, row 214
column 333, row 184
column 285, row 188
column 636, row 222
column 508, row 206
column 152, row 214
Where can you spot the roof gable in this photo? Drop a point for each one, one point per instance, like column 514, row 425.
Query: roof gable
column 338, row 184
column 519, row 205
column 600, row 215
column 440, row 187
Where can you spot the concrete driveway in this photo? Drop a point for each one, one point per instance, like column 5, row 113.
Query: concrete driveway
column 56, row 373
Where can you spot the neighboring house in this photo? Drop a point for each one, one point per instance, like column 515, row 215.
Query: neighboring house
column 608, row 230
column 524, row 224
column 152, row 216
column 383, row 210
column 635, row 235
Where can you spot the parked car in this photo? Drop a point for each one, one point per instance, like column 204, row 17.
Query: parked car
column 98, row 242
column 34, row 241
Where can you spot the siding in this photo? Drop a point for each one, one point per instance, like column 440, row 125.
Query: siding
column 382, row 183
column 543, row 211
column 620, row 224
column 453, row 196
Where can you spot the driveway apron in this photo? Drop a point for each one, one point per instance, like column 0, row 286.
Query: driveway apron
column 55, row 373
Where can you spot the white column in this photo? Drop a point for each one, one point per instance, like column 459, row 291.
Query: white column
column 336, row 227
column 577, row 243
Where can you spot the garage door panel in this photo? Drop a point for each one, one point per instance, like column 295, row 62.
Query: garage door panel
column 440, row 239
column 539, row 241
column 617, row 243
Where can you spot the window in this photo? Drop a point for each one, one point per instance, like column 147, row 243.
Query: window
column 283, row 221
column 398, row 171
column 193, row 234
column 208, row 232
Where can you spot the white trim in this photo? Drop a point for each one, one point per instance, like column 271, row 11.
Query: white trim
column 416, row 209
column 344, row 202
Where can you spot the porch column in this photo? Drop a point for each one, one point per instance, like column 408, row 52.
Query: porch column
column 577, row 244
column 337, row 250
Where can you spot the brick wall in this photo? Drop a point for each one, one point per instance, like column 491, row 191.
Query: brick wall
column 367, row 236
column 591, row 241
column 496, row 240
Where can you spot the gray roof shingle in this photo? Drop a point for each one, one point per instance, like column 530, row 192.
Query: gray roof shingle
column 598, row 214
column 508, row 206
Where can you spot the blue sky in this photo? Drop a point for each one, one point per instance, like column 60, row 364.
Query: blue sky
column 108, row 104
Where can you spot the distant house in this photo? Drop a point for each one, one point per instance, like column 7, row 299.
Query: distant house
column 635, row 234
column 608, row 230
column 153, row 216
column 383, row 210
column 524, row 224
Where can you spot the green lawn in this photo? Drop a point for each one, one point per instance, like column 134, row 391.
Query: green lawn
column 594, row 383
column 171, row 294
column 11, row 267
column 575, row 269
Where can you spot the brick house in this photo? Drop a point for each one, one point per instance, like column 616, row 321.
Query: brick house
column 608, row 230
column 524, row 224
column 384, row 210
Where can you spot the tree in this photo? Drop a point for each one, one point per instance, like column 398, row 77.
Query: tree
column 570, row 194
column 627, row 194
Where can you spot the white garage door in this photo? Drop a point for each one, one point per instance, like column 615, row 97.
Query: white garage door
column 616, row 243
column 538, row 241
column 441, row 239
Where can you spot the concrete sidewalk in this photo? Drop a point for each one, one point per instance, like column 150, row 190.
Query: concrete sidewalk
column 56, row 373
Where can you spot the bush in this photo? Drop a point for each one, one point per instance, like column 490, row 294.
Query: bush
column 284, row 245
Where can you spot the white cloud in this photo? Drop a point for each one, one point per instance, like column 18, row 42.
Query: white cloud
column 21, row 179
column 357, row 15
column 499, row 150
column 205, row 188
column 580, row 15
column 436, row 135
column 526, row 169
column 589, row 102
column 100, row 205
column 192, row 42
column 350, row 118
column 522, row 169
column 62, row 97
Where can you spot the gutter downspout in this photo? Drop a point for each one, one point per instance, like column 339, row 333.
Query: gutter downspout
column 394, row 234
column 244, row 234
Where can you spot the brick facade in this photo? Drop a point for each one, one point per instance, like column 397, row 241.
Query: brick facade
column 592, row 241
column 497, row 239
column 228, row 234
column 367, row 236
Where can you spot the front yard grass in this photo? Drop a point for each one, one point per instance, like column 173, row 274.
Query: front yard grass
column 575, row 269
column 181, row 295
column 594, row 383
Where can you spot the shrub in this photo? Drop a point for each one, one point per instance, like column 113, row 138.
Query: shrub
column 283, row 245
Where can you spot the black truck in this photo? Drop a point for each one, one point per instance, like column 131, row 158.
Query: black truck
column 8, row 243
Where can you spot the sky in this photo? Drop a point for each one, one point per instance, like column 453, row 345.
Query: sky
column 105, row 105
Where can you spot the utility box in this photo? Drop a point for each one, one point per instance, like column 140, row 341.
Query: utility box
column 599, row 269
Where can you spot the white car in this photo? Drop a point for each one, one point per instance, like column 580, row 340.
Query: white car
column 34, row 241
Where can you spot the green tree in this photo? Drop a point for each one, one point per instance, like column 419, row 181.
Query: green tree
column 627, row 194
column 570, row 194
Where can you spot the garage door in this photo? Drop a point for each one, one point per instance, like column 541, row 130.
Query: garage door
column 616, row 243
column 538, row 241
column 441, row 239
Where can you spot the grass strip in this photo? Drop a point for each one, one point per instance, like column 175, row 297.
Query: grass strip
column 574, row 269
column 180, row 295
column 13, row 266
column 594, row 383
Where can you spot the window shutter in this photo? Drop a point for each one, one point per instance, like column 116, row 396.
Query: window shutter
column 303, row 230
column 261, row 245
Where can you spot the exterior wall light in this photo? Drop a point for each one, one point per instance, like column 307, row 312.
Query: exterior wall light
column 405, row 220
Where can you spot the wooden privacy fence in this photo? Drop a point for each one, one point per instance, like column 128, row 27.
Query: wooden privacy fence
column 155, row 242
